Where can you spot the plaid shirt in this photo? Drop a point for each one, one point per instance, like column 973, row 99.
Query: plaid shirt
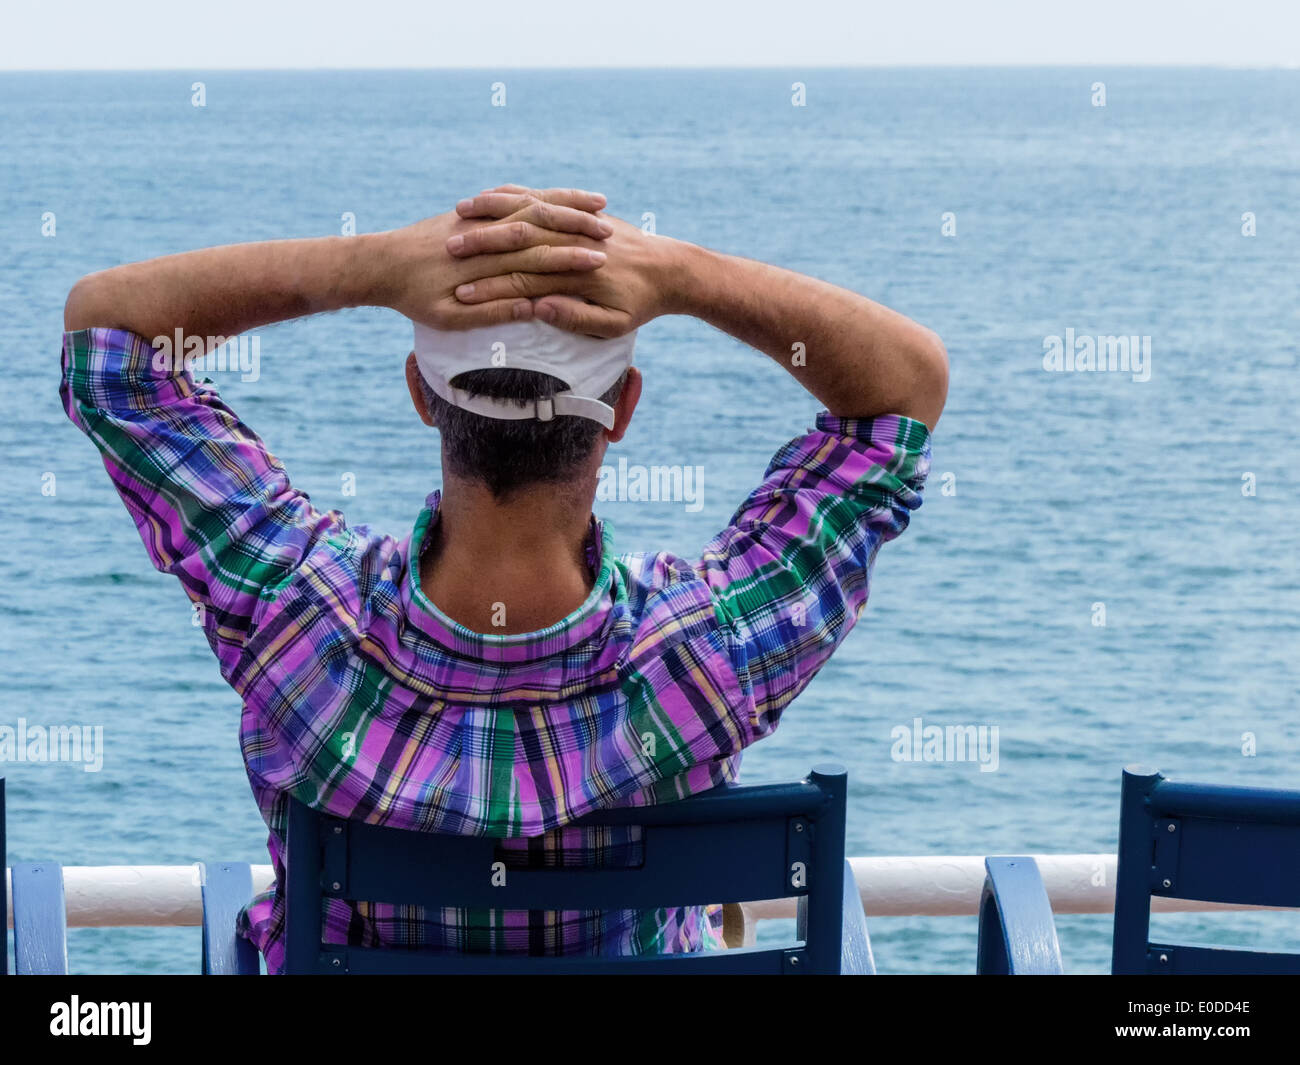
column 361, row 698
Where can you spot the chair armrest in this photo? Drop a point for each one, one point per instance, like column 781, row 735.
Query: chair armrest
column 1017, row 933
column 227, row 888
column 40, row 920
column 855, row 944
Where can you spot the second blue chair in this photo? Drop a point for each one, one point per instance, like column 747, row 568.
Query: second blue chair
column 1205, row 842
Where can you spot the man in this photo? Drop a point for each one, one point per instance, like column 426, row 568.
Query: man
column 501, row 671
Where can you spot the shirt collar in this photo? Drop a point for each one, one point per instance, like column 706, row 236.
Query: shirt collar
column 589, row 620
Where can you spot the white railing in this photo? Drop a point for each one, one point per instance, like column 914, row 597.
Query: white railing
column 111, row 896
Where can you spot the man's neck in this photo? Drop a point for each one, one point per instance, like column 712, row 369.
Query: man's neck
column 500, row 567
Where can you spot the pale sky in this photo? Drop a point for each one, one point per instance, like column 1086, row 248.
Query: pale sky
column 225, row 34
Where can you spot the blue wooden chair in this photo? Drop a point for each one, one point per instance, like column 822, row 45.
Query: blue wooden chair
column 730, row 844
column 40, row 916
column 1201, row 841
column 1183, row 841
column 1017, row 933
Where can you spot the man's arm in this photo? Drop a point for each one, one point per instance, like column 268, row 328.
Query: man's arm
column 212, row 504
column 860, row 359
column 792, row 571
column 225, row 291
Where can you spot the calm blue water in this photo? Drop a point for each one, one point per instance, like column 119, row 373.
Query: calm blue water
column 1071, row 489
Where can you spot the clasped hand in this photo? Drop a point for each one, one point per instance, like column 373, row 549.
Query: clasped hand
column 513, row 254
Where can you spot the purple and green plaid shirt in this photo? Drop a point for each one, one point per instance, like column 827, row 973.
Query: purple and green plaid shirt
column 361, row 698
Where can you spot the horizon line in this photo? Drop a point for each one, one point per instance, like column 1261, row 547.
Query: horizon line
column 1010, row 65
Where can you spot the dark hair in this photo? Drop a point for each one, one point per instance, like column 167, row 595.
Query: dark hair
column 510, row 455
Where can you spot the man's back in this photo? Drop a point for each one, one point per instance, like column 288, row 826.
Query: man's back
column 365, row 700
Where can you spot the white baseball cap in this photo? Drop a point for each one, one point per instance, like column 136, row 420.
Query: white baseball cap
column 588, row 366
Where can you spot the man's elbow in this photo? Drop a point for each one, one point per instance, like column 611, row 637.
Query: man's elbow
column 83, row 305
column 931, row 376
column 933, row 354
column 74, row 307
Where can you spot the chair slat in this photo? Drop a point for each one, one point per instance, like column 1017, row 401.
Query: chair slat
column 1234, row 861
column 1218, row 961
column 730, row 802
column 373, row 961
column 1274, row 805
column 684, row 865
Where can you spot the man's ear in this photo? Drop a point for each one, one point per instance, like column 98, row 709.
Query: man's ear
column 625, row 405
column 413, row 380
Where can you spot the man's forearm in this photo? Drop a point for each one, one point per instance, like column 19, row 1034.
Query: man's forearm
column 225, row 291
column 858, row 358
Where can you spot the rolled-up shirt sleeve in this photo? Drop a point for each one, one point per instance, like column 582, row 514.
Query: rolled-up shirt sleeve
column 792, row 571
column 211, row 504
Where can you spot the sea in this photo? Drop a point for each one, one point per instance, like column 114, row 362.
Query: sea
column 1104, row 570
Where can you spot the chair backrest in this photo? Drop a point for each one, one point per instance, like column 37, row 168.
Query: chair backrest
column 732, row 844
column 1199, row 841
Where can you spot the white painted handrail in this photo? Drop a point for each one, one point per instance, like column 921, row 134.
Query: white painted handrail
column 111, row 896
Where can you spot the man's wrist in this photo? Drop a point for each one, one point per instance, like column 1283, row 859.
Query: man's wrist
column 371, row 265
column 691, row 274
